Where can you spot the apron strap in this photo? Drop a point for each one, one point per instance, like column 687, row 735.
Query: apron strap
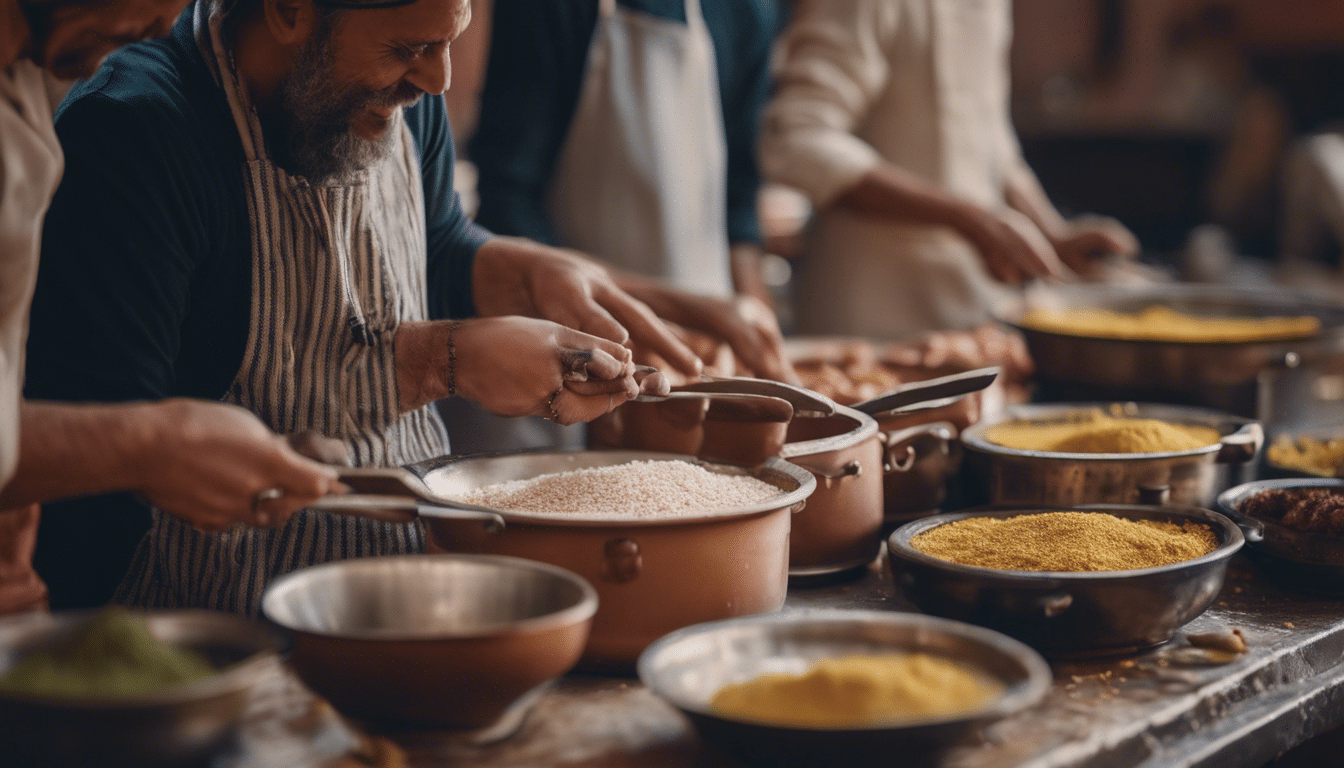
column 207, row 24
column 606, row 8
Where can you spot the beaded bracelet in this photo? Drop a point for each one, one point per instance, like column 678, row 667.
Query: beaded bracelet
column 452, row 357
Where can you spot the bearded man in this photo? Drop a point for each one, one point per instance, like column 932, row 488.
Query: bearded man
column 275, row 227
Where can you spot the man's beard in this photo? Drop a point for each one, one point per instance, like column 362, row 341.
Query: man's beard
column 313, row 136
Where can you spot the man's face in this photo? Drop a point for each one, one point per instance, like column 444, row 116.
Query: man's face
column 353, row 75
column 70, row 40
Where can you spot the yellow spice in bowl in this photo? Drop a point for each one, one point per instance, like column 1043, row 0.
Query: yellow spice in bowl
column 1164, row 324
column 1095, row 432
column 858, row 691
column 1308, row 454
column 1069, row 542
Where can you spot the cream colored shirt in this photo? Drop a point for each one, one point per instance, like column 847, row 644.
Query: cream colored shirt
column 924, row 85
column 30, row 168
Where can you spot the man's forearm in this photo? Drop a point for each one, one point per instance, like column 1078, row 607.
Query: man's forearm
column 425, row 360
column 1023, row 192
column 69, row 449
column 890, row 192
column 745, row 262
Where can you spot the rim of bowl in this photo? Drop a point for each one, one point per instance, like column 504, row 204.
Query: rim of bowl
column 236, row 676
column 973, row 436
column 1014, row 698
column 865, row 426
column 899, row 546
column 581, row 611
column 807, row 483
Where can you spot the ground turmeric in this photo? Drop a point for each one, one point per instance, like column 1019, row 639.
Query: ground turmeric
column 1308, row 454
column 860, row 690
column 1066, row 542
column 1165, row 324
column 1092, row 431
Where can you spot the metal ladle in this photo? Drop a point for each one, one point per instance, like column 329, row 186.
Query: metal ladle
column 396, row 495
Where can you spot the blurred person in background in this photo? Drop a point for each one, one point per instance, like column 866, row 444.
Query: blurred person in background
column 205, row 462
column 259, row 209
column 893, row 117
column 627, row 129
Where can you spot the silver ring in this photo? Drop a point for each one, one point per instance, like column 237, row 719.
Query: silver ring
column 266, row 495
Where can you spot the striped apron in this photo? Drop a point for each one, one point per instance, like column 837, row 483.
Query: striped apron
column 335, row 270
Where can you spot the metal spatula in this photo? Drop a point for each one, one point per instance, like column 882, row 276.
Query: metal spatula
column 931, row 393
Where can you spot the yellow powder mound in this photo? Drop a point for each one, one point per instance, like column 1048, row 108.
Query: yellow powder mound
column 1308, row 454
column 1066, row 542
column 1163, row 324
column 1095, row 432
column 859, row 690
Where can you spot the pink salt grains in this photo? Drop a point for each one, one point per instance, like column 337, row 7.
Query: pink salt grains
column 639, row 489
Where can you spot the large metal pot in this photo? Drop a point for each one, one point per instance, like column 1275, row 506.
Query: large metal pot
column 652, row 575
column 840, row 530
column 1212, row 374
column 1013, row 476
column 1070, row 614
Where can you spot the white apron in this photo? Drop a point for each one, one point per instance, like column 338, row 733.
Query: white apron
column 641, row 181
column 335, row 270
column 943, row 116
column 30, row 168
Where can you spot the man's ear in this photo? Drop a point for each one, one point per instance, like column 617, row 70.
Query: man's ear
column 290, row 21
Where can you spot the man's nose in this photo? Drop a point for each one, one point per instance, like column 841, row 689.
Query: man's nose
column 432, row 71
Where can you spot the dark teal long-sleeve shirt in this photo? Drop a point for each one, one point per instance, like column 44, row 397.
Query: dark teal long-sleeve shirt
column 538, row 52
column 144, row 286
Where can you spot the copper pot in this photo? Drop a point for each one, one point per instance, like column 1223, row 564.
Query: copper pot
column 841, row 528
column 652, row 575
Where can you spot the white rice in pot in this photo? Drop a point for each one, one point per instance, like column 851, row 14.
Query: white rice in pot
column 637, row 490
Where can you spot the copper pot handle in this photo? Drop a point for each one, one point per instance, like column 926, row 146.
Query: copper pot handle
column 1242, row 445
column 851, row 468
column 622, row 561
column 945, row 430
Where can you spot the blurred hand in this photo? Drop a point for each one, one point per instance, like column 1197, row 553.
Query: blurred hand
column 209, row 461
column 1087, row 238
column 513, row 365
column 518, row 277
column 744, row 323
column 1013, row 248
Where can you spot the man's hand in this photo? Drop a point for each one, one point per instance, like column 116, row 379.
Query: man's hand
column 1082, row 240
column 743, row 322
column 1013, row 248
column 512, row 276
column 513, row 365
column 206, row 462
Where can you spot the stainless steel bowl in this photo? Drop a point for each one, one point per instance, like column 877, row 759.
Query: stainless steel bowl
column 1311, row 562
column 689, row 666
column 438, row 640
column 172, row 726
column 1070, row 614
column 1011, row 476
column 1211, row 374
